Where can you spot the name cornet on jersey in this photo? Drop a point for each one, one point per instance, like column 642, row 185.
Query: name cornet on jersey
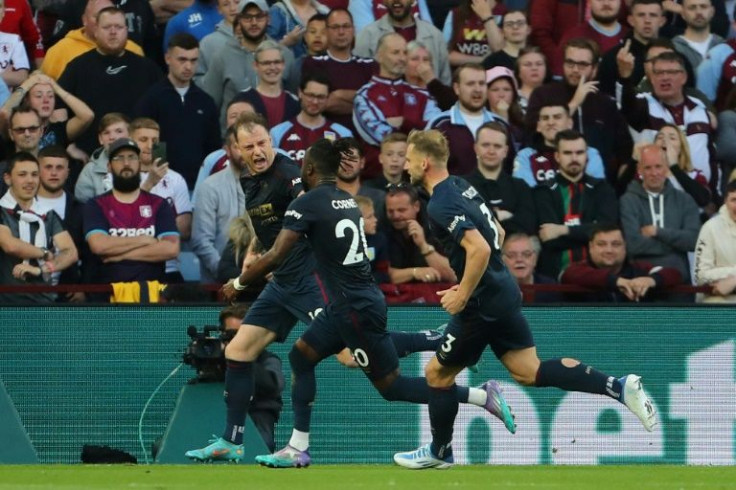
column 344, row 203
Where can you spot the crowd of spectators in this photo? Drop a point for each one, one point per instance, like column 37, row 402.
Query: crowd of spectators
column 600, row 133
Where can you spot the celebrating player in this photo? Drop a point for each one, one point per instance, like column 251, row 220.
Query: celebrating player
column 486, row 309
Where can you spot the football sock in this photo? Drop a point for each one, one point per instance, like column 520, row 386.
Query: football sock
column 407, row 389
column 578, row 378
column 299, row 440
column 239, row 387
column 475, row 396
column 442, row 412
column 303, row 389
column 409, row 342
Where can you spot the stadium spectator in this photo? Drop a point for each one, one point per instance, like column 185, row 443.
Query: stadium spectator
column 199, row 19
column 14, row 65
column 697, row 40
column 668, row 103
column 503, row 100
column 515, row 30
column 682, row 175
column 531, row 71
column 510, row 198
column 289, row 19
column 375, row 240
column 232, row 69
column 109, row 78
column 676, row 24
column 392, row 158
column 315, row 40
column 413, row 250
column 298, row 133
column 79, row 41
column 160, row 180
column 345, row 71
column 551, row 20
column 537, row 164
column 420, row 73
column 612, row 276
column 25, row 134
column 400, row 21
column 33, row 241
column 471, row 31
column 95, row 178
column 218, row 200
column 53, row 175
column 653, row 50
column 726, row 134
column 187, row 116
column 646, row 17
column 717, row 73
column 460, row 123
column 594, row 114
column 131, row 231
column 603, row 28
column 213, row 42
column 387, row 103
column 569, row 205
column 520, row 253
column 18, row 19
column 268, row 97
column 660, row 222
column 349, row 177
column 368, row 11
column 715, row 252
column 40, row 92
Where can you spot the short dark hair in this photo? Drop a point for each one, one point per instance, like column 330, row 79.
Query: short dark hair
column 21, row 156
column 22, row 109
column 318, row 17
column 604, row 227
column 568, row 135
column 237, row 310
column 522, row 12
column 584, row 43
column 324, row 157
column 466, row 66
column 335, row 10
column 344, row 145
column 53, row 151
column 316, row 77
column 671, row 57
column 730, row 187
column 493, row 126
column 660, row 42
column 403, row 188
column 634, row 3
column 182, row 40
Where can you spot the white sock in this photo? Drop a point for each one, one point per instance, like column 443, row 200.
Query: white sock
column 300, row 440
column 477, row 397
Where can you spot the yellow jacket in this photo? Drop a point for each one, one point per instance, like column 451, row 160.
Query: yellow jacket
column 71, row 46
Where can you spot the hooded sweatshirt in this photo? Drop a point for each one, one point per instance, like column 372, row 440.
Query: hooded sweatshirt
column 94, row 179
column 210, row 45
column 715, row 254
column 676, row 217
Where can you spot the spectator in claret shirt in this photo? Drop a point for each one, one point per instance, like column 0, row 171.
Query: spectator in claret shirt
column 610, row 273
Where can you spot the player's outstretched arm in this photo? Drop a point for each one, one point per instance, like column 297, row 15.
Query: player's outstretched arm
column 267, row 262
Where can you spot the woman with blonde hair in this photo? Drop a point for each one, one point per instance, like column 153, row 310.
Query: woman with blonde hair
column 238, row 249
column 682, row 174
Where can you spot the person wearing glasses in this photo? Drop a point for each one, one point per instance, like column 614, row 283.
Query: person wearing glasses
column 520, row 253
column 268, row 97
column 669, row 103
column 232, row 69
column 131, row 231
column 25, row 134
column 298, row 133
column 594, row 114
column 345, row 71
column 516, row 30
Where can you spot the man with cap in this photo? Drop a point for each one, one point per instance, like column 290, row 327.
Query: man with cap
column 232, row 68
column 131, row 231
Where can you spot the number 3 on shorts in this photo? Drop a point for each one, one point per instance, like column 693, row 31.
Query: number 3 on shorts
column 447, row 345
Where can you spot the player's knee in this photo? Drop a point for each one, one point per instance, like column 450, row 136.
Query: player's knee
column 524, row 378
column 298, row 360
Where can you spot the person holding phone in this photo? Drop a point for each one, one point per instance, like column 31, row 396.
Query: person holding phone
column 160, row 180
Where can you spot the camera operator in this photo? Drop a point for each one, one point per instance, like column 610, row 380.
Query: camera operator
column 266, row 405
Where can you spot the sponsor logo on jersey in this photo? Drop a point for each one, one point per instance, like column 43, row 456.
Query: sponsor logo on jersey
column 455, row 222
column 146, row 211
column 410, row 99
column 470, row 192
column 293, row 213
column 293, row 137
column 114, row 71
column 330, row 135
column 381, row 98
column 344, row 203
column 296, row 181
column 262, row 211
column 129, row 232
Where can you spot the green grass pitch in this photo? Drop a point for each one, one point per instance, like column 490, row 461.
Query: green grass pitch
column 349, row 477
